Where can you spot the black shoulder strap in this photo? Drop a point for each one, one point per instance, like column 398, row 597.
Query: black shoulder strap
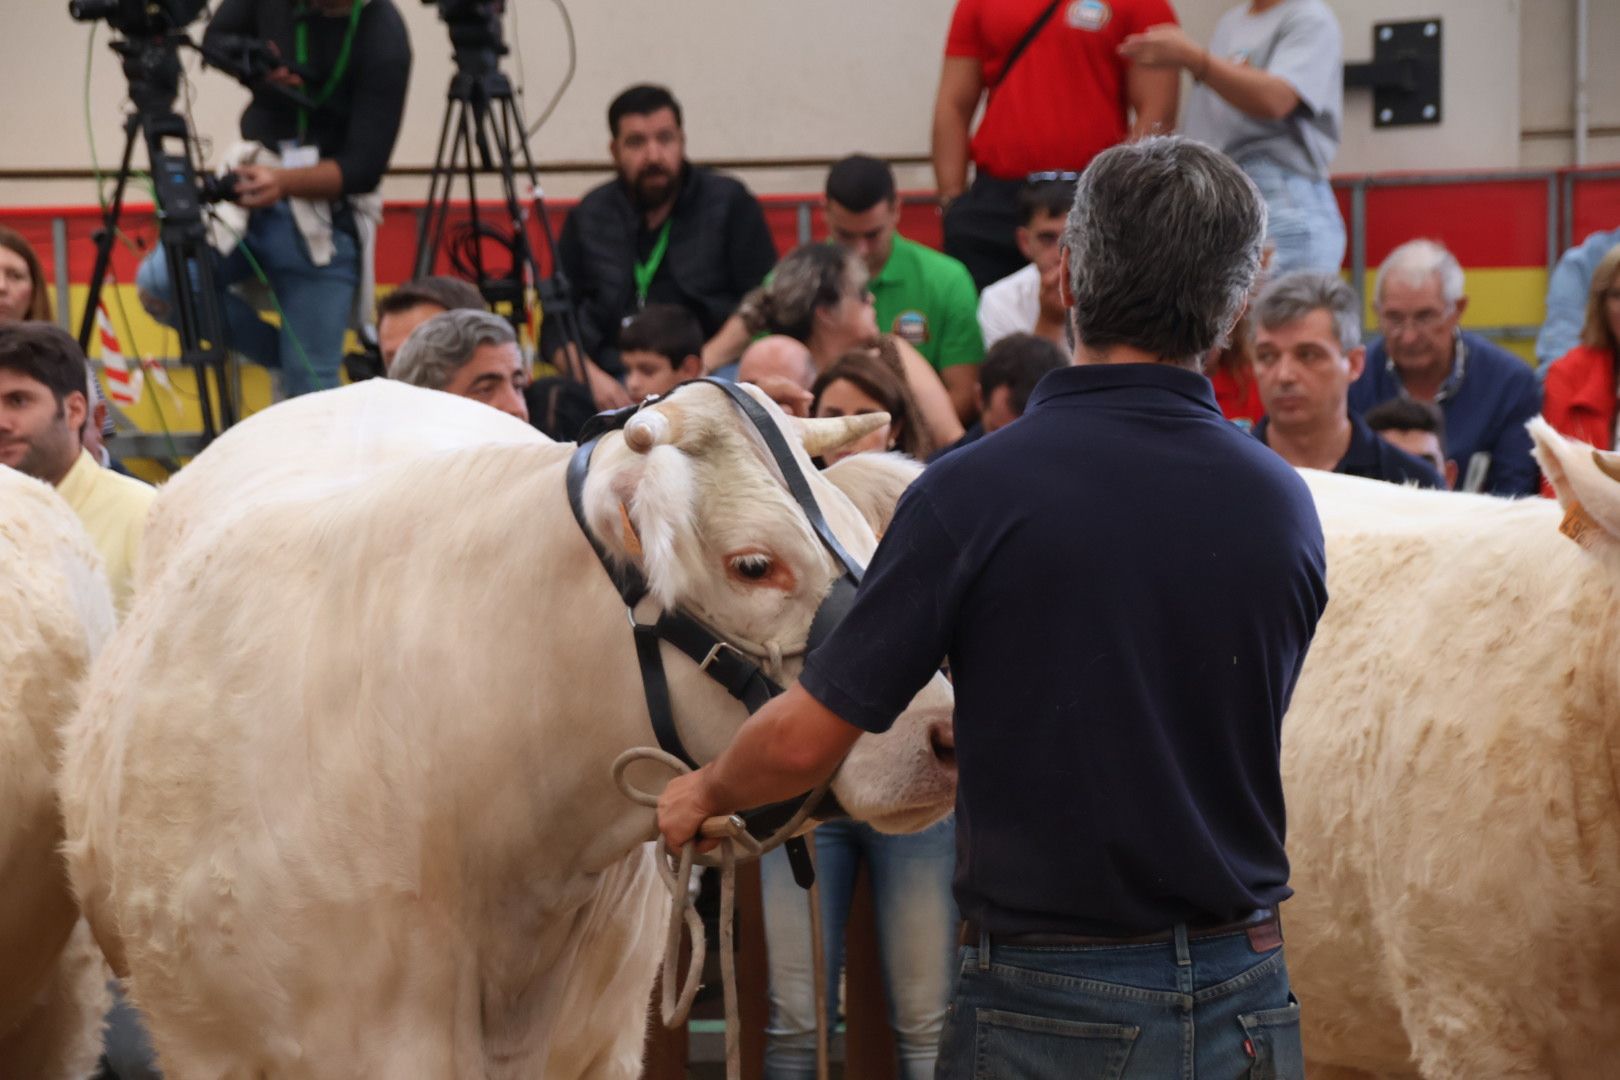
column 1023, row 42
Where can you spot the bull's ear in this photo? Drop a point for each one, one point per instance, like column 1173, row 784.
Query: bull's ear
column 1587, row 482
column 874, row 483
column 641, row 506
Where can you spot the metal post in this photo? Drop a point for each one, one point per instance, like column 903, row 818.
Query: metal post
column 1569, row 212
column 1358, row 239
column 59, row 259
column 804, row 223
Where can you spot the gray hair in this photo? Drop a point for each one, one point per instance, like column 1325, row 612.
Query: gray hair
column 1418, row 262
column 1293, row 296
column 809, row 277
column 1164, row 244
column 435, row 351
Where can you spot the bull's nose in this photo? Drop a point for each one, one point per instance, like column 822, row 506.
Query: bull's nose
column 942, row 740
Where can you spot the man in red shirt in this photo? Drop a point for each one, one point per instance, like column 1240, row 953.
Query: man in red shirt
column 1059, row 94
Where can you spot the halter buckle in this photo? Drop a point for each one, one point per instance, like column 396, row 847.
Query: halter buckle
column 714, row 654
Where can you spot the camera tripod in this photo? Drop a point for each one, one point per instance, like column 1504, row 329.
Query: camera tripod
column 482, row 116
column 153, row 70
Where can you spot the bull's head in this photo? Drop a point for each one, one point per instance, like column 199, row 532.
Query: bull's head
column 690, row 496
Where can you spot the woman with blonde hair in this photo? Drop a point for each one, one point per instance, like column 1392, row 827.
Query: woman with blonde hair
column 1578, row 398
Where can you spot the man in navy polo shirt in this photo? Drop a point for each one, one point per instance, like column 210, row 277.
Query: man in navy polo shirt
column 1307, row 352
column 1125, row 586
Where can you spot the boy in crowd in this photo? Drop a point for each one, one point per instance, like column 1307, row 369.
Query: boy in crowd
column 661, row 347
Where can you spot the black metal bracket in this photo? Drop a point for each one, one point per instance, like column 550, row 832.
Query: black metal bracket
column 1404, row 73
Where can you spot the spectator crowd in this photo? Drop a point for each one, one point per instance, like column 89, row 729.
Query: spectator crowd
column 676, row 276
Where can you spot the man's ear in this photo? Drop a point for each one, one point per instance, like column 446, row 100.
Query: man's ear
column 690, row 368
column 1462, row 306
column 1451, row 475
column 1022, row 237
column 1065, row 289
column 1358, row 361
column 75, row 407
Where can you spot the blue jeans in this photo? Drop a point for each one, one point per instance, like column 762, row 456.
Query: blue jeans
column 316, row 301
column 1212, row 1007
column 916, row 924
column 1303, row 222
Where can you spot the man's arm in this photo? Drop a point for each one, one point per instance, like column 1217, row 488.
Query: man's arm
column 960, row 87
column 1566, row 310
column 788, row 747
column 1251, row 91
column 962, row 384
column 933, row 400
column 381, row 76
column 1153, row 94
column 727, row 344
column 265, row 185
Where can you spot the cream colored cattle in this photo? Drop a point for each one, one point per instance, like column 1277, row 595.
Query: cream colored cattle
column 1451, row 768
column 54, row 614
column 363, row 824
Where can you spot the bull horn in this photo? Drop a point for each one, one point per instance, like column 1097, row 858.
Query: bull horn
column 832, row 432
column 1607, row 464
column 650, row 428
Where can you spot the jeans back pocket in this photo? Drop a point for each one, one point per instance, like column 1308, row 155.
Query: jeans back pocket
column 1015, row 1046
column 1273, row 1042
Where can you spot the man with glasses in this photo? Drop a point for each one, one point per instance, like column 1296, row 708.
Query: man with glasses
column 922, row 297
column 1027, row 301
column 1485, row 392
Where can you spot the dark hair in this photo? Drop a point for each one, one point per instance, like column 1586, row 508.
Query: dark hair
column 858, row 183
column 1405, row 414
column 643, row 99
column 47, row 354
column 39, row 305
column 809, row 277
column 1018, row 362
column 450, row 293
column 1164, row 244
column 1053, row 197
column 666, row 329
column 879, row 375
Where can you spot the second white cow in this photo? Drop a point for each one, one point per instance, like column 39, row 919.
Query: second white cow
column 1451, row 761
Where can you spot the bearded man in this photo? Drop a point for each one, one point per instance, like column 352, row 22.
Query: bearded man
column 663, row 231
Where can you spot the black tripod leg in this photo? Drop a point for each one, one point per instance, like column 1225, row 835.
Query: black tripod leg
column 107, row 236
column 429, row 231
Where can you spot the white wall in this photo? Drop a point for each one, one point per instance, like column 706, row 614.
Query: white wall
column 773, row 79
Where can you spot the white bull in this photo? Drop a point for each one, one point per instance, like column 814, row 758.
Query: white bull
column 1451, row 764
column 55, row 613
column 358, row 820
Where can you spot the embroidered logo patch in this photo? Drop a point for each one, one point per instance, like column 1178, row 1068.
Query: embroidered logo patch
column 911, row 326
column 1089, row 14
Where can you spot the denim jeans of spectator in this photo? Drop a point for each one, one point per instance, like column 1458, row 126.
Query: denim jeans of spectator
column 316, row 301
column 1210, row 1007
column 1303, row 221
column 916, row 925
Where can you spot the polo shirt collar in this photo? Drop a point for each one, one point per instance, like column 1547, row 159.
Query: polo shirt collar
column 1453, row 384
column 1191, row 385
column 1361, row 457
column 79, row 479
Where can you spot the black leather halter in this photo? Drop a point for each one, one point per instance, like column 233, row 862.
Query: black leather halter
column 731, row 667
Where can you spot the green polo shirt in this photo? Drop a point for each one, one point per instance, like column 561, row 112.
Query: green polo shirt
column 928, row 299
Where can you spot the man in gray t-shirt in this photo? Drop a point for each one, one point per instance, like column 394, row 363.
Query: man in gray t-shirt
column 1270, row 93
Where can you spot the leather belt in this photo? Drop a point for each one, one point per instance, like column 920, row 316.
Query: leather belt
column 1262, row 926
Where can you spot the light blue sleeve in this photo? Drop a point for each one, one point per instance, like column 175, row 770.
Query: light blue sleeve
column 1566, row 298
column 1309, row 55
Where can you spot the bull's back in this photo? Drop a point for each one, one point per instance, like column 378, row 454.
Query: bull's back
column 1446, row 762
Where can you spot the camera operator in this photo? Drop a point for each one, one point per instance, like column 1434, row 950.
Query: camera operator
column 325, row 113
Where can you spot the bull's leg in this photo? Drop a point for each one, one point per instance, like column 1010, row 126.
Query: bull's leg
column 61, row 1038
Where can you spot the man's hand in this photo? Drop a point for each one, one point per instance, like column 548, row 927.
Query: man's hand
column 258, row 186
column 683, row 808
column 1052, row 306
column 794, row 399
column 1163, row 46
column 608, row 391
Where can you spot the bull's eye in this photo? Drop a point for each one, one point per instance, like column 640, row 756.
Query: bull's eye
column 752, row 567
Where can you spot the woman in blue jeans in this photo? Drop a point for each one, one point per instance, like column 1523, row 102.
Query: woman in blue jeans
column 916, row 930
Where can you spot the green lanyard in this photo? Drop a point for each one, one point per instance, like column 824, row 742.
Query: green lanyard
column 301, row 56
column 645, row 271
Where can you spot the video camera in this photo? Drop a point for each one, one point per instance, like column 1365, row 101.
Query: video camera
column 475, row 31
column 138, row 18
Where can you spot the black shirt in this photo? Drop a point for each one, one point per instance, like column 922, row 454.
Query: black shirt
column 1125, row 585
column 357, row 126
column 720, row 247
column 1372, row 457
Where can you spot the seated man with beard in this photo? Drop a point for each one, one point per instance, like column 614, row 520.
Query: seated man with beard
column 662, row 231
